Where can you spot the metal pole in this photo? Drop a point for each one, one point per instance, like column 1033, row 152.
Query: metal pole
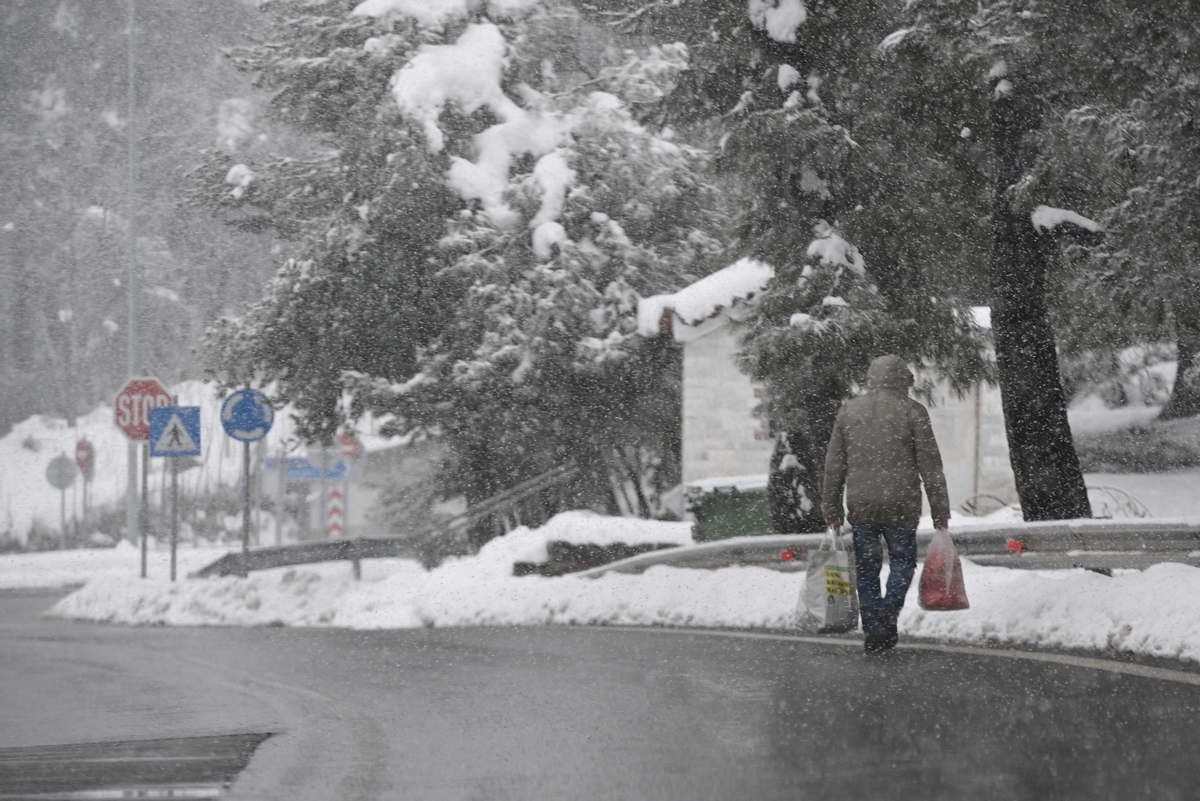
column 279, row 498
column 62, row 519
column 346, row 523
column 256, row 490
column 245, row 498
column 132, row 512
column 978, row 442
column 131, row 494
column 174, row 512
column 144, row 508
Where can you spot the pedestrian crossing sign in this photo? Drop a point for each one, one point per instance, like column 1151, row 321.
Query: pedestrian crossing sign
column 175, row 431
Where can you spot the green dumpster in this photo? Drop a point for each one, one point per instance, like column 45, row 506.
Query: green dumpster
column 730, row 506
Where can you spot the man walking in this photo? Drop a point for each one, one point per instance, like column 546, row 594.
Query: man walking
column 881, row 450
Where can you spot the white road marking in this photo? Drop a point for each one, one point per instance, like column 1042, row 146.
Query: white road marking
column 1142, row 671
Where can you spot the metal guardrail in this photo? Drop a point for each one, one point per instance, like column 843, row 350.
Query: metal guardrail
column 354, row 550
column 505, row 502
column 1092, row 544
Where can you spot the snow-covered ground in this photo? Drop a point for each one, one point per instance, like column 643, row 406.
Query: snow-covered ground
column 55, row 569
column 1074, row 608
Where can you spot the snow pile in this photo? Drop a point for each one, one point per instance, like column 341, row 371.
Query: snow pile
column 434, row 13
column 239, row 177
column 830, row 248
column 779, row 18
column 581, row 528
column 1066, row 609
column 1063, row 609
column 788, row 75
column 430, row 13
column 463, row 593
column 710, row 295
column 1073, row 609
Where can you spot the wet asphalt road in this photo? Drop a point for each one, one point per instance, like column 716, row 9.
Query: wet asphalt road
column 594, row 713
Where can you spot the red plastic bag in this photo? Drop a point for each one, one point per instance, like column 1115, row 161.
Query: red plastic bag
column 941, row 587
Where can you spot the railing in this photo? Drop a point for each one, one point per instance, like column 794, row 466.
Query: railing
column 1094, row 544
column 236, row 563
column 502, row 507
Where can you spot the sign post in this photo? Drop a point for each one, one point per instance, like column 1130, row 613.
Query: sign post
column 85, row 460
column 280, row 497
column 61, row 473
column 247, row 416
column 175, row 434
column 132, row 415
column 351, row 449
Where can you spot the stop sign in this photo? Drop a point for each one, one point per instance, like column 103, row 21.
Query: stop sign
column 133, row 405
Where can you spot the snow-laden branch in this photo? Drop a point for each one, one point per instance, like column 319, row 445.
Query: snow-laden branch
column 1045, row 218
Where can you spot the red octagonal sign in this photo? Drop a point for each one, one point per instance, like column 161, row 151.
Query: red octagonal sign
column 133, row 405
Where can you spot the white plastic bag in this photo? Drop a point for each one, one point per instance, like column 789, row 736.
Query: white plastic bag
column 829, row 602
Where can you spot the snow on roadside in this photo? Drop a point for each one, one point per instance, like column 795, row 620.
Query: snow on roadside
column 60, row 569
column 583, row 527
column 1072, row 609
column 1066, row 609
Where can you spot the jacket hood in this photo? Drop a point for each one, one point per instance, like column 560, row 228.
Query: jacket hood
column 889, row 372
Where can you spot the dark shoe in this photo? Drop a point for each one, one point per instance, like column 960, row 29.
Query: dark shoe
column 873, row 646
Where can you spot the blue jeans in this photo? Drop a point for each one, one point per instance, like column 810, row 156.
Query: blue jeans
column 868, row 555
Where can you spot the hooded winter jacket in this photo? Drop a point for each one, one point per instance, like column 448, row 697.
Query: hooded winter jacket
column 881, row 450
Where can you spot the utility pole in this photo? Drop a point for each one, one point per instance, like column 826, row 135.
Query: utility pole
column 132, row 505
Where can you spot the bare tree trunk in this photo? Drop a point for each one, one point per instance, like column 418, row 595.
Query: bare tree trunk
column 635, row 478
column 1049, row 480
column 1185, row 400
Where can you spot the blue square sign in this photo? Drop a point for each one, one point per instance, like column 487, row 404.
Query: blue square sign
column 175, row 431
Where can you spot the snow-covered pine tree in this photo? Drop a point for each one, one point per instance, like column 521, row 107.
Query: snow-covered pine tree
column 1130, row 157
column 871, row 254
column 474, row 224
column 572, row 211
column 1002, row 69
column 1022, row 70
column 358, row 195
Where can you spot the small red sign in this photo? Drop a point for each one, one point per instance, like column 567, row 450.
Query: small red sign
column 83, row 454
column 351, row 447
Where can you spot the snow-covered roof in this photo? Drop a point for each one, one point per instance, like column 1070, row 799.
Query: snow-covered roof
column 682, row 312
